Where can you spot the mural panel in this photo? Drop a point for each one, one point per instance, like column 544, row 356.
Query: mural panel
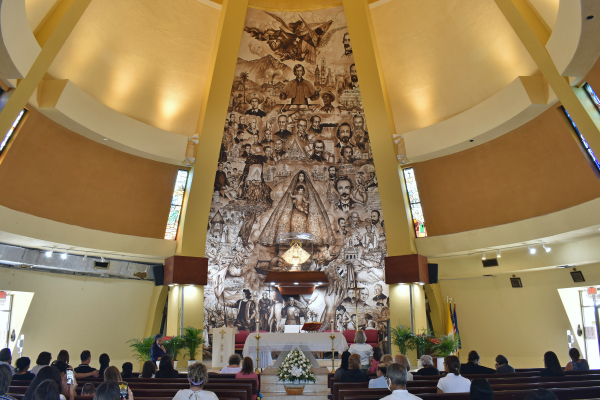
column 296, row 157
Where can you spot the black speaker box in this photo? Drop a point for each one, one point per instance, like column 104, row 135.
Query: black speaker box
column 433, row 273
column 490, row 262
column 159, row 274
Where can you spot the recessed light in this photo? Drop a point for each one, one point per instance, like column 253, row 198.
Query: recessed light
column 171, row 285
column 105, row 139
column 498, row 253
column 49, row 253
column 531, row 250
column 295, row 283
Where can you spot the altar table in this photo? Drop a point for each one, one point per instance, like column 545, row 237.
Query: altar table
column 269, row 342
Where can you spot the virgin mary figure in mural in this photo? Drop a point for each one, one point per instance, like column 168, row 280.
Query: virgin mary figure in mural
column 299, row 210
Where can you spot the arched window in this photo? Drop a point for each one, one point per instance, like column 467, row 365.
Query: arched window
column 176, row 203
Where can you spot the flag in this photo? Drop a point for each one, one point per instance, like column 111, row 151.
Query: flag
column 449, row 323
column 455, row 320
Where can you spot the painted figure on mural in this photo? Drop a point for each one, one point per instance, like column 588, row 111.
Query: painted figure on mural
column 255, row 99
column 282, row 133
column 352, row 84
column 292, row 313
column 347, row 45
column 344, row 134
column 327, row 107
column 344, row 186
column 299, row 90
column 246, row 312
column 221, row 182
column 264, row 304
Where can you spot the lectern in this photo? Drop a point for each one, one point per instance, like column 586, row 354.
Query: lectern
column 223, row 345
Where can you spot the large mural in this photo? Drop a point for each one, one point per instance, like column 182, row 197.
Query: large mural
column 296, row 157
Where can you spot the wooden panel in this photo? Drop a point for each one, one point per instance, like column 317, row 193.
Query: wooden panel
column 311, row 277
column 294, row 290
column 406, row 269
column 184, row 270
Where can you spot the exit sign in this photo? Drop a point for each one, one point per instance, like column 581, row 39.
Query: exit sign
column 2, row 295
column 592, row 290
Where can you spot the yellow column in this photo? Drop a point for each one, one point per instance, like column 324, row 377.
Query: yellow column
column 155, row 313
column 534, row 36
column 394, row 200
column 52, row 42
column 194, row 219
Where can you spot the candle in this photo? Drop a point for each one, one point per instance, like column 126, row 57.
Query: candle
column 332, row 326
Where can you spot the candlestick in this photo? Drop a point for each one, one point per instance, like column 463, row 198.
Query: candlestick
column 257, row 338
column 332, row 352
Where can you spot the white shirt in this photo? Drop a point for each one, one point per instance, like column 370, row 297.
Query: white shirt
column 189, row 394
column 229, row 370
column 454, row 384
column 401, row 394
column 363, row 350
column 36, row 369
column 409, row 377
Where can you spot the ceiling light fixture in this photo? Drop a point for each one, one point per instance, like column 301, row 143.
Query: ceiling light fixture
column 295, row 283
column 49, row 252
column 483, row 256
column 64, row 255
column 105, row 139
column 532, row 250
column 547, row 248
column 498, row 253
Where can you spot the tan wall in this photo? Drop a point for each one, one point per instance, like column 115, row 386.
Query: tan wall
column 534, row 170
column 522, row 324
column 53, row 173
column 80, row 313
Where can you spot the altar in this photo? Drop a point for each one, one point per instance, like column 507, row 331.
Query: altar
column 285, row 342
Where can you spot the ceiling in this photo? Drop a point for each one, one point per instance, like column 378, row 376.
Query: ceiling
column 149, row 59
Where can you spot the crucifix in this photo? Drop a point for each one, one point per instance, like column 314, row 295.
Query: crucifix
column 356, row 289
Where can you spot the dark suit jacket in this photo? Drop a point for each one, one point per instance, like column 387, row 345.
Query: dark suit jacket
column 355, row 375
column 474, row 369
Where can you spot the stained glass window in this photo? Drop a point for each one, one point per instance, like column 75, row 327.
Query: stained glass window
column 415, row 202
column 11, row 130
column 592, row 94
column 176, row 203
column 585, row 144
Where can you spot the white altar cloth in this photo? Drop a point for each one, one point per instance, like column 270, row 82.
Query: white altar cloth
column 269, row 342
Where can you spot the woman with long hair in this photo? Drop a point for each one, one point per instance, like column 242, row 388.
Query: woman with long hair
column 43, row 360
column 109, row 390
column 552, row 365
column 104, row 363
column 197, row 376
column 47, row 390
column 354, row 373
column 148, row 369
column 63, row 355
column 453, row 382
column 51, row 373
column 247, row 372
column 165, row 369
column 377, row 353
column 112, row 374
column 481, row 390
column 343, row 366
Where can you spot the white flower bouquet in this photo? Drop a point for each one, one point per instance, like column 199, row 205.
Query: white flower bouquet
column 296, row 367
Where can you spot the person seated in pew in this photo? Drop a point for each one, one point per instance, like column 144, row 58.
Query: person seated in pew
column 234, row 365
column 23, row 373
column 551, row 365
column 377, row 353
column 381, row 381
column 104, row 361
column 52, row 373
column 62, row 367
column 84, row 370
column 402, row 359
column 112, row 374
column 127, row 370
column 88, row 389
column 197, row 376
column 472, row 367
column 165, row 368
column 354, row 373
column 388, row 359
column 42, row 361
column 148, row 370
column 453, row 382
column 247, row 372
column 343, row 366
column 365, row 351
column 576, row 363
column 63, row 355
column 47, row 390
column 396, row 382
column 481, row 390
column 109, row 390
column 541, row 394
column 6, row 359
column 502, row 366
column 428, row 368
column 5, row 377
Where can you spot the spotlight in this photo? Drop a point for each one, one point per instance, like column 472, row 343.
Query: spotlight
column 421, row 283
column 532, row 250
column 548, row 249
column 319, row 283
column 483, row 256
column 498, row 253
column 295, row 283
column 102, row 257
column 171, row 285
column 63, row 256
column 49, row 253
column 191, row 284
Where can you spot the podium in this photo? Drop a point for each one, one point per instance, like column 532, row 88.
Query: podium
column 223, row 345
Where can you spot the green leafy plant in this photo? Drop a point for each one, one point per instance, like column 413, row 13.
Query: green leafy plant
column 296, row 367
column 447, row 345
column 174, row 345
column 192, row 338
column 423, row 341
column 141, row 348
column 403, row 338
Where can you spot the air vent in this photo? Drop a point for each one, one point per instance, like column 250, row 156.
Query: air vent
column 101, row 264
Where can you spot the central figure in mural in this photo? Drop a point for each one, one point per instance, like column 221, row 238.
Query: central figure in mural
column 296, row 157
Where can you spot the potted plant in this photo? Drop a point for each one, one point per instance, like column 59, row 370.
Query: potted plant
column 295, row 371
column 192, row 339
column 141, row 348
column 447, row 345
column 174, row 345
column 423, row 341
column 403, row 338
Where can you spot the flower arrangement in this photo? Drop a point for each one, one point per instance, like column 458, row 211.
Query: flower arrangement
column 296, row 367
column 447, row 345
column 423, row 341
column 174, row 344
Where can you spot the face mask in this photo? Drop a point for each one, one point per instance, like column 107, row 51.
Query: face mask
column 387, row 382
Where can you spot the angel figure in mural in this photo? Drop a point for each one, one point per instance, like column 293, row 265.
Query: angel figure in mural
column 297, row 40
column 299, row 210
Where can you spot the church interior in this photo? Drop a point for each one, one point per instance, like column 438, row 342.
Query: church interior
column 277, row 177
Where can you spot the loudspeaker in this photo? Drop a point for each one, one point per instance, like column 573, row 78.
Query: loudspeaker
column 159, row 274
column 101, row 264
column 433, row 273
column 491, row 262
